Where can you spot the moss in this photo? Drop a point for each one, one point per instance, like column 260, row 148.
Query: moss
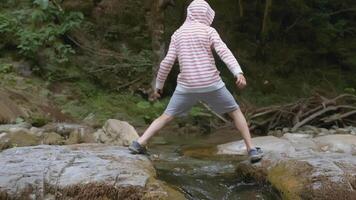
column 290, row 178
column 155, row 190
column 249, row 172
column 21, row 139
column 98, row 192
column 53, row 139
column 81, row 99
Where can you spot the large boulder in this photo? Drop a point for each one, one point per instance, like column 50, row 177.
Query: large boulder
column 116, row 132
column 302, row 167
column 18, row 138
column 10, row 127
column 53, row 134
column 87, row 171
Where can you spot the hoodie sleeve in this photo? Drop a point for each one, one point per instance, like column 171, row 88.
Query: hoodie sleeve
column 166, row 65
column 224, row 52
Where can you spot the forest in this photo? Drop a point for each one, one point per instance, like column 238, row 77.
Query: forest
column 85, row 62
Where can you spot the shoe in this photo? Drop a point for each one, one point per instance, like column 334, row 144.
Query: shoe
column 255, row 154
column 136, row 148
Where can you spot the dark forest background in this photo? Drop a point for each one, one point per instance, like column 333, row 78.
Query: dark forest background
column 106, row 52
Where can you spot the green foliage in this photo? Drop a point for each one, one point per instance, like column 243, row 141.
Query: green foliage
column 199, row 112
column 39, row 120
column 42, row 3
column 113, row 73
column 83, row 98
column 41, row 26
column 5, row 68
column 19, row 120
column 350, row 90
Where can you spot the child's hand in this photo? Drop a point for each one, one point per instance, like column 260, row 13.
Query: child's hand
column 156, row 95
column 241, row 81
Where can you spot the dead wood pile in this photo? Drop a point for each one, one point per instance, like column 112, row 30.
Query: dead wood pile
column 317, row 111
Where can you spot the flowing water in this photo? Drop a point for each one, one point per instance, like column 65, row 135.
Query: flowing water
column 189, row 163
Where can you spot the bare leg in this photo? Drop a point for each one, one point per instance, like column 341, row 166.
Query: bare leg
column 156, row 125
column 241, row 125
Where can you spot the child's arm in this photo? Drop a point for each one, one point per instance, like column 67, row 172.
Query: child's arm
column 224, row 52
column 166, row 65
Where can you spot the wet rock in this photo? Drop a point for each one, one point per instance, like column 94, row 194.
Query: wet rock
column 285, row 130
column 337, row 143
column 37, row 131
column 323, row 131
column 308, row 171
column 310, row 129
column 100, row 136
column 52, row 139
column 17, row 136
column 310, row 132
column 79, row 172
column 342, row 131
column 300, row 141
column 7, row 127
column 119, row 132
column 276, row 133
column 74, row 138
column 332, row 131
column 278, row 146
column 65, row 129
column 18, row 139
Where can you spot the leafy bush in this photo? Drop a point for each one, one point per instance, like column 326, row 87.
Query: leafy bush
column 39, row 26
column 5, row 68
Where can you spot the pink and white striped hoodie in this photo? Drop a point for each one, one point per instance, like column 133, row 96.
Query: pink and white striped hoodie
column 192, row 44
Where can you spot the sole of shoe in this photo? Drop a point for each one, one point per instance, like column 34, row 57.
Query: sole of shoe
column 133, row 151
column 256, row 158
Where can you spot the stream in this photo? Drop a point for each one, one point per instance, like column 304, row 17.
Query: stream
column 188, row 162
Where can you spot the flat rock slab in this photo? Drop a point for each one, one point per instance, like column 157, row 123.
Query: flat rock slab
column 343, row 143
column 268, row 143
column 302, row 167
column 41, row 171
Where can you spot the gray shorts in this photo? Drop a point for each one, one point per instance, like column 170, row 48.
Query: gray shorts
column 221, row 101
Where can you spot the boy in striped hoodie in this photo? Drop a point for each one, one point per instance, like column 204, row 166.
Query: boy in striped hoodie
column 199, row 79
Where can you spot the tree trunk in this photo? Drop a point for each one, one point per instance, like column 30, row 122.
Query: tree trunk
column 265, row 18
column 155, row 20
column 241, row 8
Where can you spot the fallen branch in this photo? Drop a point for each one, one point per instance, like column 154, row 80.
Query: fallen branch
column 317, row 111
column 214, row 113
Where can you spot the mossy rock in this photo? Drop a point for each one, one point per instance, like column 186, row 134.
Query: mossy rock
column 18, row 139
column 74, row 138
column 290, row 178
column 53, row 139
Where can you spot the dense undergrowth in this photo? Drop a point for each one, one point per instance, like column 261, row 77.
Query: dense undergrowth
column 101, row 59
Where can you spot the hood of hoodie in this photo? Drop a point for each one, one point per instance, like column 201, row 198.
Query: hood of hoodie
column 200, row 11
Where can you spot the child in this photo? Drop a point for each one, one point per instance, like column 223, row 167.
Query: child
column 199, row 78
